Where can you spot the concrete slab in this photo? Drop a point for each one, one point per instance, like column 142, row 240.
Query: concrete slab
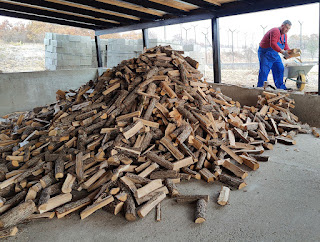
column 307, row 107
column 280, row 203
column 24, row 91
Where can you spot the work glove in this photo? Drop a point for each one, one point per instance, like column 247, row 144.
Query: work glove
column 286, row 54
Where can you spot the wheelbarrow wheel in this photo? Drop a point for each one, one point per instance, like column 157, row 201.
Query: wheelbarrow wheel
column 301, row 82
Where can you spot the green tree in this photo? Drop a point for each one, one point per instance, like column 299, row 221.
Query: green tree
column 312, row 45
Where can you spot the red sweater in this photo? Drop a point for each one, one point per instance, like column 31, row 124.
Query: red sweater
column 271, row 38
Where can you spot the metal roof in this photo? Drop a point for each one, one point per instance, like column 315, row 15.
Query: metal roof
column 110, row 16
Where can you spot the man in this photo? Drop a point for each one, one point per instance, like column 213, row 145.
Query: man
column 272, row 43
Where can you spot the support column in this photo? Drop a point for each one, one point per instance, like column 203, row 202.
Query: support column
column 216, row 50
column 145, row 38
column 319, row 58
column 98, row 49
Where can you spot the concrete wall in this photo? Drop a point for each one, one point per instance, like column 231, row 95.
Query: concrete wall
column 307, row 107
column 27, row 90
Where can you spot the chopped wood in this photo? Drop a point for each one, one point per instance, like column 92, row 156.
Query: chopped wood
column 286, row 141
column 250, row 162
column 135, row 129
column 224, row 196
column 17, row 214
column 194, row 174
column 201, row 210
column 164, row 174
column 55, row 202
column 315, row 133
column 191, row 198
column 173, row 191
column 9, row 232
column 173, row 149
column 263, row 158
column 232, row 154
column 147, row 197
column 145, row 209
column 95, row 206
column 158, row 214
column 68, row 183
column 182, row 163
column 153, row 185
column 149, row 170
column 73, row 206
column 207, row 175
column 147, row 119
column 234, row 182
column 234, row 169
column 159, row 160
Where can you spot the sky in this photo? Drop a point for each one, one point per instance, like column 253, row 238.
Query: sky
column 247, row 27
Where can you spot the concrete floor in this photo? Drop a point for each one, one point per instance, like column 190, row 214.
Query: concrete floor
column 280, row 203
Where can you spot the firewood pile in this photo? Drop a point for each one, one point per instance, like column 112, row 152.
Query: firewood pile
column 123, row 141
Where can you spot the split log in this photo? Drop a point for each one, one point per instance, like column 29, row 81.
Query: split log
column 151, row 186
column 71, row 207
column 207, row 175
column 182, row 163
column 145, row 209
column 201, row 160
column 173, row 150
column 159, row 160
column 158, row 214
column 173, row 191
column 262, row 158
column 13, row 201
column 250, row 162
column 17, row 214
column 234, row 169
column 232, row 154
column 224, row 196
column 68, row 183
column 48, row 192
column 149, row 170
column 8, row 232
column 194, row 174
column 234, row 182
column 95, row 206
column 138, row 179
column 147, row 197
column 164, row 174
column 55, row 202
column 130, row 209
column 59, row 168
column 191, row 198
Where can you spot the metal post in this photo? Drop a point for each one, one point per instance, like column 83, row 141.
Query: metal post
column 145, row 38
column 195, row 33
column 216, row 50
column 264, row 29
column 319, row 58
column 300, row 22
column 232, row 31
column 98, row 49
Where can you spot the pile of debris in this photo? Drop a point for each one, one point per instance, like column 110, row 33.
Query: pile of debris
column 122, row 142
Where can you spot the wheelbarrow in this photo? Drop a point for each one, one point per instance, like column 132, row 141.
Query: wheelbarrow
column 298, row 74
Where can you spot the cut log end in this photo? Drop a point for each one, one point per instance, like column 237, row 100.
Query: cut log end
column 8, row 232
column 199, row 220
column 201, row 210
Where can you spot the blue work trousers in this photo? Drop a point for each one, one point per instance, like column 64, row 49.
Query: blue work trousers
column 269, row 59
